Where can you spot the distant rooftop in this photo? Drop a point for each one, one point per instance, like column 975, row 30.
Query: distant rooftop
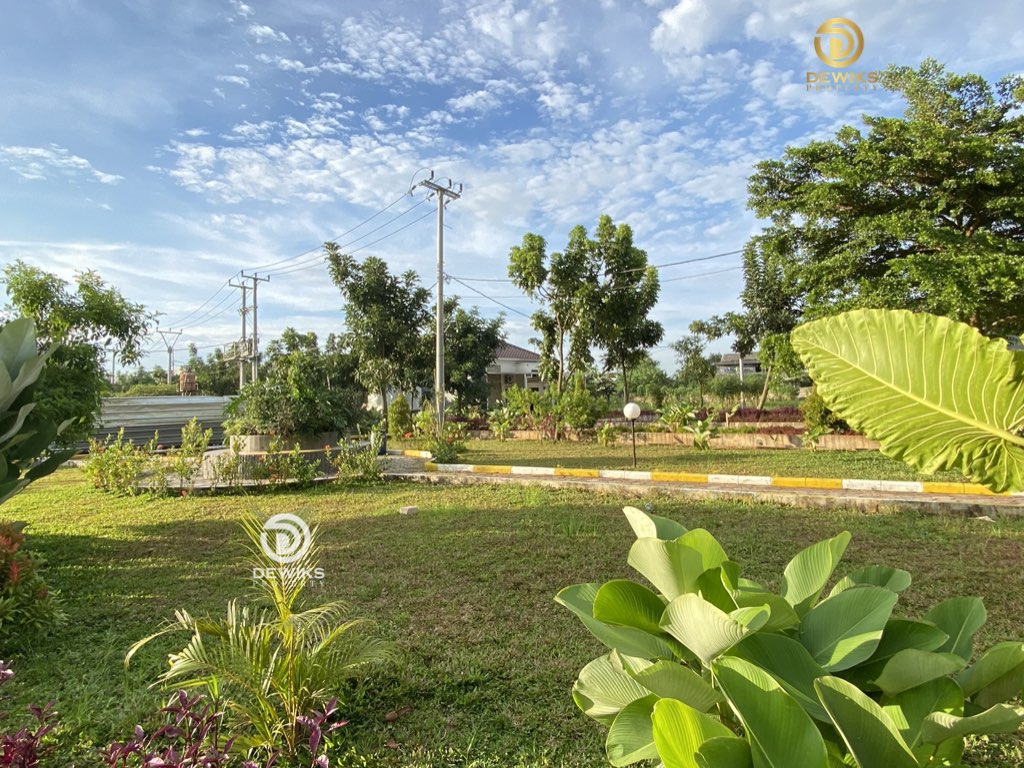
column 731, row 358
column 508, row 351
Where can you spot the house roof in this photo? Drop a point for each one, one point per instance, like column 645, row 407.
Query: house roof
column 508, row 351
column 731, row 358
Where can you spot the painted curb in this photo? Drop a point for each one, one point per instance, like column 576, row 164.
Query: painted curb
column 828, row 483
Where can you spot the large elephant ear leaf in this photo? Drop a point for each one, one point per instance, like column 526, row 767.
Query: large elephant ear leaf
column 935, row 393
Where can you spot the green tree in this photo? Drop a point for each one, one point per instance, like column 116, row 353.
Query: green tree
column 649, row 380
column 216, row 374
column 562, row 282
column 89, row 321
column 771, row 309
column 385, row 315
column 919, row 212
column 695, row 368
column 470, row 342
column 622, row 299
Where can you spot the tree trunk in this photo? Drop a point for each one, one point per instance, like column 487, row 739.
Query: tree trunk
column 384, row 405
column 764, row 390
column 561, row 359
column 625, row 385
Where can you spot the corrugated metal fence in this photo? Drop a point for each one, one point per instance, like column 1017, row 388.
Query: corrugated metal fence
column 140, row 417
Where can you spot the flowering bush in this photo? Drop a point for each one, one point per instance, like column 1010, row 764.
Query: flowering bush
column 27, row 606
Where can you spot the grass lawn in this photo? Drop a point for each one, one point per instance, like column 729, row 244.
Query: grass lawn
column 799, row 463
column 465, row 587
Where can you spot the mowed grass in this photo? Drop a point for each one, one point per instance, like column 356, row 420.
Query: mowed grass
column 464, row 587
column 775, row 462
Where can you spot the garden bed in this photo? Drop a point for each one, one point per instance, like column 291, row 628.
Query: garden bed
column 465, row 587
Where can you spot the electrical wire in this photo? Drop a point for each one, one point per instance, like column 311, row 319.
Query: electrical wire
column 199, row 308
column 318, row 261
column 386, row 208
column 210, row 313
column 702, row 274
column 489, row 298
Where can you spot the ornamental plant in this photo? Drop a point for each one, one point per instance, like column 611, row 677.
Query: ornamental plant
column 707, row 669
column 934, row 393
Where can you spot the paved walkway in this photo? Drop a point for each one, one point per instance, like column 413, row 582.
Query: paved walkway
column 414, row 469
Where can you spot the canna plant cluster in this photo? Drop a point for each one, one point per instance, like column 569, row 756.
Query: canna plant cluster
column 711, row 670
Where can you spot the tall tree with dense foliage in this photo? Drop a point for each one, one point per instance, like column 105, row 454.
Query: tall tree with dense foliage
column 385, row 315
column 470, row 343
column 919, row 212
column 89, row 322
column 596, row 292
column 561, row 282
column 771, row 309
column 622, row 299
column 695, row 368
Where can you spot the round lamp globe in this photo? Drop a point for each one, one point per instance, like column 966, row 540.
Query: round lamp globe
column 631, row 411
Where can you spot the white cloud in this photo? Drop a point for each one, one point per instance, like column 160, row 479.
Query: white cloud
column 692, row 26
column 39, row 163
column 234, row 80
column 475, row 101
column 265, row 34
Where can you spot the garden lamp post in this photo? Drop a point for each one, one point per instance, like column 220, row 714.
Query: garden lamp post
column 632, row 412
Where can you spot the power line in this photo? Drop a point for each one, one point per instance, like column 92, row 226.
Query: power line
column 199, row 308
column 392, row 204
column 484, row 295
column 685, row 261
column 211, row 312
column 319, row 261
column 702, row 274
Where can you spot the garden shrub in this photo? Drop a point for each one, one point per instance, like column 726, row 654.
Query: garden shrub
column 399, row 418
column 186, row 460
column 500, row 422
column 117, row 465
column 28, row 607
column 818, row 418
column 712, row 670
column 355, row 463
column 608, row 434
column 25, row 747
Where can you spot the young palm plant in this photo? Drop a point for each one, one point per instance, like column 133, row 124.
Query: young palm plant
column 271, row 666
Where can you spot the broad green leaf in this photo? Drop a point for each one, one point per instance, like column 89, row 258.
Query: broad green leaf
column 846, row 629
column 935, row 393
column 631, row 735
column 652, row 526
column 670, row 680
column 960, row 618
column 910, row 668
column 909, row 708
column 724, row 752
column 780, row 732
column 783, row 616
column 675, row 566
column 706, row 630
column 1001, row 718
column 604, row 688
column 808, row 572
column 628, row 640
column 869, row 734
column 629, row 604
column 901, row 634
column 893, row 579
column 718, row 585
column 995, row 676
column 679, row 731
column 790, row 664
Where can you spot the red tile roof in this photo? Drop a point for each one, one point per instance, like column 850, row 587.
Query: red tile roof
column 507, row 351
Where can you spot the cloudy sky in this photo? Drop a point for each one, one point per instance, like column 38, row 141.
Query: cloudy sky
column 170, row 145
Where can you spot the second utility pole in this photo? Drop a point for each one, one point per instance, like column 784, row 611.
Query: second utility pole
column 255, row 330
column 439, row 389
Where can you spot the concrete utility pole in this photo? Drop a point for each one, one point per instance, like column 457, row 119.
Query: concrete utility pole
column 170, row 349
column 243, row 351
column 444, row 193
column 255, row 352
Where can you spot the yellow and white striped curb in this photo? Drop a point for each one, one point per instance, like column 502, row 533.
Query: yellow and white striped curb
column 828, row 483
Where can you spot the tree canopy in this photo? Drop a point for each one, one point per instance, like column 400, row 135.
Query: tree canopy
column 596, row 292
column 90, row 321
column 919, row 212
column 469, row 346
column 385, row 315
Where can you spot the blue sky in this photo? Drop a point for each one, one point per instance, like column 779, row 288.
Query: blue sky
column 169, row 145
